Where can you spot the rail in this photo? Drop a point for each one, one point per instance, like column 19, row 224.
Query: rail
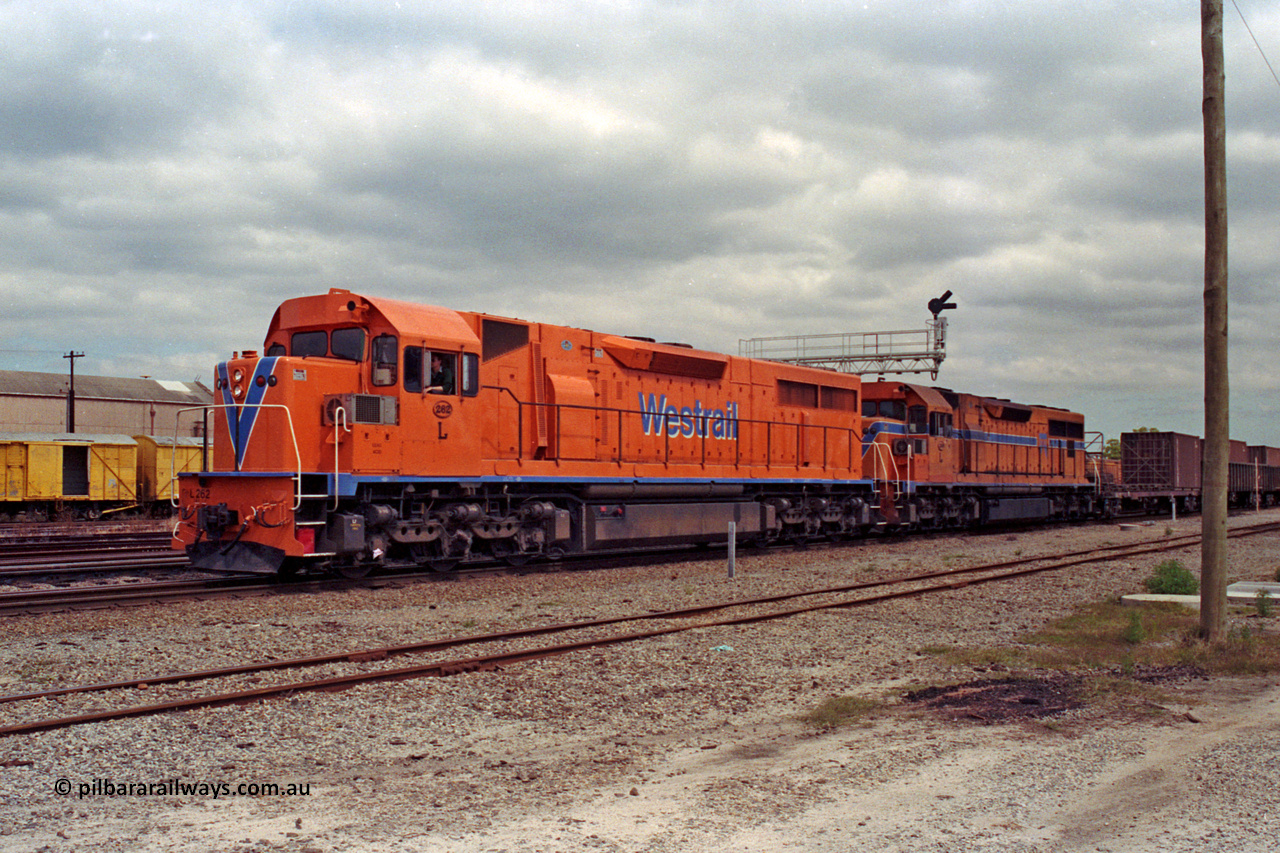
column 667, row 623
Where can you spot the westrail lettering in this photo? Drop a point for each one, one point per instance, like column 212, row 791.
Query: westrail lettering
column 658, row 416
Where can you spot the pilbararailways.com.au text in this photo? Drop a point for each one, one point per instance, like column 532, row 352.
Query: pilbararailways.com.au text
column 179, row 788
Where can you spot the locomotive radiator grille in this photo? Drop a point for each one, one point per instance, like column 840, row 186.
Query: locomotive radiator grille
column 364, row 408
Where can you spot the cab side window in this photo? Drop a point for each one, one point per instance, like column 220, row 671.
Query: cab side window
column 470, row 374
column 895, row 409
column 444, row 373
column 413, row 369
column 384, row 359
column 917, row 419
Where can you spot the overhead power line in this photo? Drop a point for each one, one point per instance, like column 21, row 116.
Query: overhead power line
column 1261, row 52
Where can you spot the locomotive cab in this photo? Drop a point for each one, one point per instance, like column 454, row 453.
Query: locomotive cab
column 348, row 392
column 910, row 448
column 915, row 427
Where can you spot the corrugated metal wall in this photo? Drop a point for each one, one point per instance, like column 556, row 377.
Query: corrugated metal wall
column 126, row 417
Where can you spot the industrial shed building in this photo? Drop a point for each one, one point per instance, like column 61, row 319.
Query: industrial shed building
column 37, row 402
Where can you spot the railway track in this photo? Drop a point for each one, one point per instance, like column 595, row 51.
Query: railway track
column 727, row 613
column 19, row 533
column 131, row 593
column 135, row 594
column 70, row 554
column 125, row 594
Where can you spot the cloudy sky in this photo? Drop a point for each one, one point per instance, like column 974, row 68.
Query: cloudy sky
column 701, row 171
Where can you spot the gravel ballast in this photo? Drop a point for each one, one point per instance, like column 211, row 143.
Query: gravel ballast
column 687, row 742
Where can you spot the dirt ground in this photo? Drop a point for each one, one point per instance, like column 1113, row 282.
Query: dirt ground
column 693, row 742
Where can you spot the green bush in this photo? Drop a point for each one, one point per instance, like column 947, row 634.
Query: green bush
column 1172, row 578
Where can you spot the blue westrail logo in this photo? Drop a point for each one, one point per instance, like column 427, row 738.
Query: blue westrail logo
column 657, row 416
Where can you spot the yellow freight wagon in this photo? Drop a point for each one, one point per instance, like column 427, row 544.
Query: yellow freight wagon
column 14, row 456
column 162, row 458
column 47, row 473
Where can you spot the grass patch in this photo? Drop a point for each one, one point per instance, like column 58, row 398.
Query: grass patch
column 839, row 711
column 1172, row 578
column 1247, row 651
column 1105, row 655
column 1135, row 633
column 995, row 657
column 1110, row 637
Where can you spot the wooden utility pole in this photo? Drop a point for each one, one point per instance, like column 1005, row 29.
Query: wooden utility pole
column 71, row 391
column 1217, row 398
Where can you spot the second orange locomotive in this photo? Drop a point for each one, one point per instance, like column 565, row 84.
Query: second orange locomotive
column 375, row 432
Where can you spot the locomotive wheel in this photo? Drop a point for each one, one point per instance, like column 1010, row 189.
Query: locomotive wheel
column 509, row 552
column 354, row 571
column 425, row 555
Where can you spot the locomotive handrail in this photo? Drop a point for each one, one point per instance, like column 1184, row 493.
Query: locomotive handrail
column 880, row 453
column 769, row 425
column 293, row 436
column 339, row 424
column 1098, row 440
column 519, row 415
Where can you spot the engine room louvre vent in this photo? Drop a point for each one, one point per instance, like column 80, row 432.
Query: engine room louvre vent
column 501, row 337
column 363, row 409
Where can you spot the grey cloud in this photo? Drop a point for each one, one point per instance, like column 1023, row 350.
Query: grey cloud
column 690, row 170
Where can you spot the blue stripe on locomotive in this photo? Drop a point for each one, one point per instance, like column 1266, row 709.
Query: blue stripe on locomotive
column 241, row 419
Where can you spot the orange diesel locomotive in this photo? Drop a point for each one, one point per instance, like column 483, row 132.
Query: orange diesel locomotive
column 373, row 432
column 960, row 459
